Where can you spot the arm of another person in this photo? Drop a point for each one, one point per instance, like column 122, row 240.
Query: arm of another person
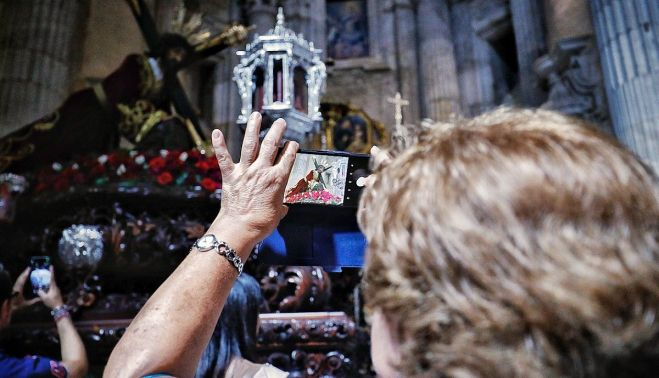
column 171, row 331
column 74, row 355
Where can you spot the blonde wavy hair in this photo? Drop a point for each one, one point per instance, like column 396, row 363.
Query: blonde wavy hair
column 518, row 244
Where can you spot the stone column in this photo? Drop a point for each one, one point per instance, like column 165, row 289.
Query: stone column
column 261, row 15
column 530, row 42
column 227, row 101
column 438, row 74
column 472, row 56
column 40, row 50
column 572, row 67
column 628, row 40
column 308, row 18
column 406, row 58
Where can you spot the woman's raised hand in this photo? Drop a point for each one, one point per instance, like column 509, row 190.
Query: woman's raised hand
column 253, row 189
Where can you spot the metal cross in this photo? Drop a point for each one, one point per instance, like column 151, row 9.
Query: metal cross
column 398, row 102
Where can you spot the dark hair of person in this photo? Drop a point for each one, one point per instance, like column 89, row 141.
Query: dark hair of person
column 235, row 332
column 5, row 284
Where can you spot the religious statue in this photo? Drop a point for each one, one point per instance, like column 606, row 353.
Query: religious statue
column 313, row 181
column 134, row 102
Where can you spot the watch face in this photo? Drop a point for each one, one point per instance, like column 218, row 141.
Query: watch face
column 206, row 242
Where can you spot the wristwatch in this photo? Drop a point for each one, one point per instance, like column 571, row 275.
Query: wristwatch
column 209, row 242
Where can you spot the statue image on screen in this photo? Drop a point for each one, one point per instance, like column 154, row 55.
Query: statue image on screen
column 317, row 179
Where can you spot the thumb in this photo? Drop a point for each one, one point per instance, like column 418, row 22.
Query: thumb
column 32, row 301
column 20, row 281
column 41, row 293
column 283, row 212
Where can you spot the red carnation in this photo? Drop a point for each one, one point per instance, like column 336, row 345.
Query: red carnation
column 97, row 170
column 209, row 184
column 79, row 179
column 194, row 154
column 213, row 163
column 41, row 187
column 165, row 178
column 113, row 160
column 202, row 166
column 61, row 184
column 157, row 163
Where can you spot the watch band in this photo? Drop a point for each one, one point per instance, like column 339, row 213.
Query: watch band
column 209, row 242
column 60, row 312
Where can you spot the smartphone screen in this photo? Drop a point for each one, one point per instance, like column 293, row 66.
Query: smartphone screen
column 40, row 273
column 317, row 179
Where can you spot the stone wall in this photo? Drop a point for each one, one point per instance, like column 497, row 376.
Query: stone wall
column 40, row 45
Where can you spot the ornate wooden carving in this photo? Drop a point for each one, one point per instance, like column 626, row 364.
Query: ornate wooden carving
column 144, row 242
column 320, row 344
column 296, row 288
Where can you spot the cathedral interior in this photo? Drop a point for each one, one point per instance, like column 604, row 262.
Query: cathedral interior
column 107, row 106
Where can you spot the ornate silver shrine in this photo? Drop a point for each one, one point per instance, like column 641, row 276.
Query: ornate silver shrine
column 282, row 75
column 81, row 246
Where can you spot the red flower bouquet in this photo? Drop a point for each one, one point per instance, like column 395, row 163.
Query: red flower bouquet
column 127, row 168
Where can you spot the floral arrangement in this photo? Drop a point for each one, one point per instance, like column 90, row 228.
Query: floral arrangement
column 315, row 196
column 126, row 168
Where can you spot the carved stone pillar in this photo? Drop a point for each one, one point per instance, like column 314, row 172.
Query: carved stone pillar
column 575, row 80
column 261, row 15
column 472, row 56
column 629, row 49
column 406, row 57
column 530, row 42
column 438, row 74
column 309, row 18
column 40, row 44
column 572, row 67
column 227, row 103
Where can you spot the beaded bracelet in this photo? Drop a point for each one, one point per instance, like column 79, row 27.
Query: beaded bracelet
column 59, row 312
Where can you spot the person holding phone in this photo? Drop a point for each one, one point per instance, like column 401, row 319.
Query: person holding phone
column 74, row 356
column 171, row 331
column 516, row 244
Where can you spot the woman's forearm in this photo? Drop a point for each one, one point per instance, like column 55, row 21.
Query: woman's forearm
column 171, row 331
column 74, row 356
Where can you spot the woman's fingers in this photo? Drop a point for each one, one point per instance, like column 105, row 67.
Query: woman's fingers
column 283, row 212
column 250, row 147
column 32, row 301
column 287, row 159
column 270, row 144
column 222, row 153
column 20, row 281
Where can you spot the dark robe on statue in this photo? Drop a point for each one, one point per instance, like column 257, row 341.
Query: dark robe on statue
column 87, row 122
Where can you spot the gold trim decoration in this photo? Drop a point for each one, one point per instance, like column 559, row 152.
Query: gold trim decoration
column 138, row 120
column 233, row 35
column 189, row 25
column 14, row 148
column 149, row 84
column 203, row 146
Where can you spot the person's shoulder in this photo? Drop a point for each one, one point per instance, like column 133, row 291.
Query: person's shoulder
column 242, row 368
column 30, row 366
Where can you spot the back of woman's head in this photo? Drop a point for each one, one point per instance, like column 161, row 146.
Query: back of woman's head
column 235, row 332
column 519, row 243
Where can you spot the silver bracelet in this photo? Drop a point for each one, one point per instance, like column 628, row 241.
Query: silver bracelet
column 59, row 312
column 209, row 242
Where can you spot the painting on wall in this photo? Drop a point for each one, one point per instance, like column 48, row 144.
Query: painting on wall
column 346, row 128
column 347, row 29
